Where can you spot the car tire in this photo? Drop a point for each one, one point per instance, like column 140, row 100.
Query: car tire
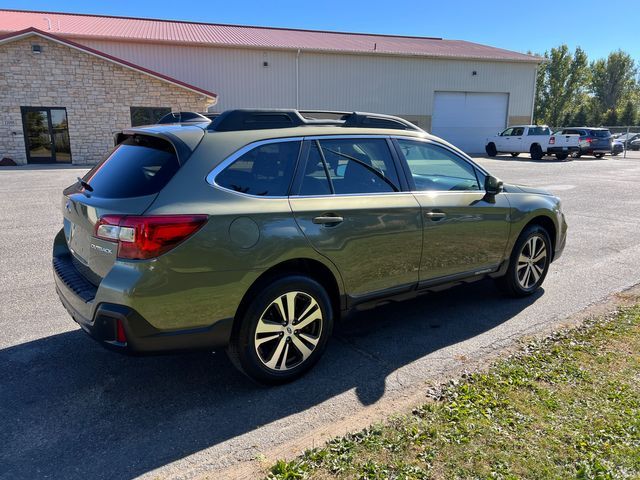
column 491, row 149
column 266, row 345
column 576, row 154
column 514, row 154
column 525, row 275
column 598, row 155
column 561, row 156
column 536, row 152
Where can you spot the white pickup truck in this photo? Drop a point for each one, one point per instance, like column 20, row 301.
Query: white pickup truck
column 537, row 140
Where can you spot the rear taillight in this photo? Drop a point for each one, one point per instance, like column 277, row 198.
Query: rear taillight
column 552, row 140
column 144, row 237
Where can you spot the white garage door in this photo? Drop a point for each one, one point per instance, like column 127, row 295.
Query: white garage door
column 466, row 119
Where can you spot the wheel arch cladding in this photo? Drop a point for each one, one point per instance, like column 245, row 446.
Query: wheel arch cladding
column 548, row 224
column 299, row 266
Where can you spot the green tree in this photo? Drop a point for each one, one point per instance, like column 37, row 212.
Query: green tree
column 629, row 114
column 581, row 117
column 613, row 80
column 561, row 79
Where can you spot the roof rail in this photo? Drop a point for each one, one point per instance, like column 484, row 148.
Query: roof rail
column 256, row 119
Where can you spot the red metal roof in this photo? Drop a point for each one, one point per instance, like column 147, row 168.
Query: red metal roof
column 56, row 38
column 152, row 30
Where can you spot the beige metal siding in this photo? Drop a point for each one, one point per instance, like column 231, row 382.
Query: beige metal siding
column 236, row 75
column 390, row 84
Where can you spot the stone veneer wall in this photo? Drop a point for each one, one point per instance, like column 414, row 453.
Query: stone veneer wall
column 97, row 94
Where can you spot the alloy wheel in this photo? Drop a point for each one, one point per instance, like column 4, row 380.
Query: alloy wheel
column 531, row 262
column 288, row 331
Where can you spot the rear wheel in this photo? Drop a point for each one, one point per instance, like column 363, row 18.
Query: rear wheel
column 491, row 149
column 514, row 154
column 576, row 154
column 561, row 156
column 528, row 264
column 536, row 152
column 283, row 331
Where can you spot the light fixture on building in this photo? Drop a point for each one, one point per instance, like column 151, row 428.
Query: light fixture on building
column 36, row 49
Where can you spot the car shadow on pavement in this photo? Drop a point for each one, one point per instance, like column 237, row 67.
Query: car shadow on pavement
column 70, row 409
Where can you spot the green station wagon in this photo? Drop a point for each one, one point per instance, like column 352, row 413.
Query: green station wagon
column 257, row 230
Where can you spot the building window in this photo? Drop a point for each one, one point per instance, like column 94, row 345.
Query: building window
column 147, row 115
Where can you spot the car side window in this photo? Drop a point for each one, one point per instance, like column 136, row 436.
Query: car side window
column 539, row 131
column 507, row 132
column 518, row 131
column 349, row 165
column 265, row 171
column 436, row 168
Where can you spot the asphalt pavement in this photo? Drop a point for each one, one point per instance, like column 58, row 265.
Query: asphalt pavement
column 70, row 409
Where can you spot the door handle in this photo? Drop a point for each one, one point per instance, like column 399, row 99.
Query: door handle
column 435, row 216
column 328, row 220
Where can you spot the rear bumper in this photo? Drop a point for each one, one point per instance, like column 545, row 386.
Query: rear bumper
column 100, row 320
column 559, row 149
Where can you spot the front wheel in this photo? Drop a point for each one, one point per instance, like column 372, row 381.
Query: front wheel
column 283, row 330
column 491, row 149
column 528, row 264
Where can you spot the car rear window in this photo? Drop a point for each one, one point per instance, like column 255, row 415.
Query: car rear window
column 600, row 133
column 139, row 166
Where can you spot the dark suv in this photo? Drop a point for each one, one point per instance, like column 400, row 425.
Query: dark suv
column 256, row 230
column 593, row 141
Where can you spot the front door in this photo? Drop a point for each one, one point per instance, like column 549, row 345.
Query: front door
column 349, row 205
column 465, row 231
column 46, row 135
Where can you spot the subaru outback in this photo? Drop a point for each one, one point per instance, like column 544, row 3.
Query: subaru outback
column 257, row 230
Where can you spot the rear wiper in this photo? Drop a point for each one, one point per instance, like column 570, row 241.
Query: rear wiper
column 85, row 185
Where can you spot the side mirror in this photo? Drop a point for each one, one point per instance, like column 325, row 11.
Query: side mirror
column 492, row 185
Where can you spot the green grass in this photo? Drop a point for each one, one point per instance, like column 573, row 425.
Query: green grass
column 564, row 407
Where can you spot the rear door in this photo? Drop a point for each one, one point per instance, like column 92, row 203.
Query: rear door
column 348, row 202
column 126, row 182
column 465, row 231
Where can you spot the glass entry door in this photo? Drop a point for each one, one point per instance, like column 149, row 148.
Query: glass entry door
column 46, row 134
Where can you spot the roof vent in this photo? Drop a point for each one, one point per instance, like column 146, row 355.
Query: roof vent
column 36, row 48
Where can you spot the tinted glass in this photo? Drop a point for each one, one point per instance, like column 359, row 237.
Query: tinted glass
column 539, row 131
column 264, row 171
column 315, row 180
column 138, row 166
column 507, row 132
column 435, row 168
column 600, row 133
column 360, row 165
column 518, row 131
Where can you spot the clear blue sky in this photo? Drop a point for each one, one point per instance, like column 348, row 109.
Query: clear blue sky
column 598, row 26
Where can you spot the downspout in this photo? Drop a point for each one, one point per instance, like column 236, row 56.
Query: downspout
column 298, row 79
column 535, row 88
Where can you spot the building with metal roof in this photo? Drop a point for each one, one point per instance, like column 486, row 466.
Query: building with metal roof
column 459, row 90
